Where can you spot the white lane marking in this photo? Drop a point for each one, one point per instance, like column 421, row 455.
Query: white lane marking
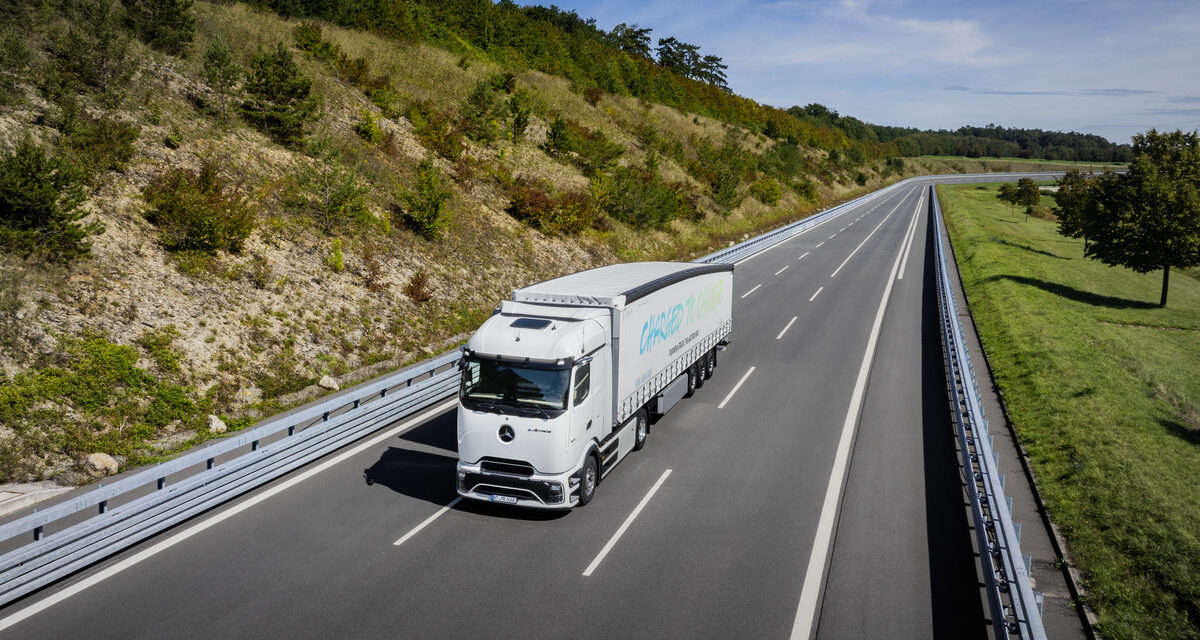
column 842, row 229
column 735, row 388
column 819, row 244
column 805, row 253
column 912, row 234
column 159, row 547
column 751, row 291
column 625, row 525
column 783, row 269
column 860, row 245
column 427, row 521
column 814, row 296
column 833, row 236
column 789, row 326
column 814, row 577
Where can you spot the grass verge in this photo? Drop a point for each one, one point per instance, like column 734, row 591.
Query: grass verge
column 1102, row 389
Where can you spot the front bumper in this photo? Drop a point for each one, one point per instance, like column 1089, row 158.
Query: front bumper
column 536, row 490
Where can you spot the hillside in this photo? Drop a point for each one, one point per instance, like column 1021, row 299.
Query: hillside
column 348, row 203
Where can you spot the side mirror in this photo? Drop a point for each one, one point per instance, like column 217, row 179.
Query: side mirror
column 584, row 360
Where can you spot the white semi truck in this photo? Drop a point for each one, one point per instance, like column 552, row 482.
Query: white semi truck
column 559, row 384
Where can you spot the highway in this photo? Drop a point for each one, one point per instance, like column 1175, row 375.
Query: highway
column 810, row 489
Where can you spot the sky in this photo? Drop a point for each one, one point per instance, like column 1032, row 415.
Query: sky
column 1109, row 68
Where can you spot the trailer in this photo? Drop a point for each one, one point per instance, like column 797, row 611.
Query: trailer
column 559, row 385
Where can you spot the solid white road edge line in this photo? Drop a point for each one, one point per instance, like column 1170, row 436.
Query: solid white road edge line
column 814, row 296
column 428, row 520
column 912, row 234
column 783, row 269
column 735, row 388
column 175, row 539
column 814, row 577
column 625, row 525
column 751, row 291
column 860, row 245
column 789, row 326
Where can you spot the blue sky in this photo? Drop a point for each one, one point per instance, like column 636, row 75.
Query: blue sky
column 1110, row 68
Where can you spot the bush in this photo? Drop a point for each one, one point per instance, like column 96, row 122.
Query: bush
column 220, row 72
column 424, row 210
column 39, row 205
column 860, row 179
column 198, row 212
column 506, row 82
column 367, row 128
column 335, row 260
column 566, row 214
column 281, row 103
column 439, row 131
column 388, row 101
column 593, row 95
column 329, row 194
column 766, row 190
column 100, row 145
column 14, row 58
column 641, row 199
column 479, row 112
column 417, row 288
column 558, row 139
column 596, row 152
column 166, row 25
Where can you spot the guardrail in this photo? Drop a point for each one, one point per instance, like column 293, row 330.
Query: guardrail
column 69, row 536
column 1015, row 608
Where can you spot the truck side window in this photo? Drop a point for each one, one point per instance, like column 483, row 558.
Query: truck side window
column 583, row 382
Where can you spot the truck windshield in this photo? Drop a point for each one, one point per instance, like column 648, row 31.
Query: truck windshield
column 496, row 382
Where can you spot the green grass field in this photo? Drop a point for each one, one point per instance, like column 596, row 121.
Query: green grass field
column 1103, row 387
column 960, row 164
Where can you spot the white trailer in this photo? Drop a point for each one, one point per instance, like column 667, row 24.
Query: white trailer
column 559, row 384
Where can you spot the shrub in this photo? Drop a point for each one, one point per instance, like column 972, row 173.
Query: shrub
column 860, row 179
column 506, row 82
column 424, row 207
column 14, row 58
column 335, row 260
column 367, row 128
column 281, row 103
column 558, row 139
column 417, row 288
column 329, row 194
column 566, row 214
column 479, row 112
column 806, row 189
column 160, row 345
column 356, row 71
column 766, row 190
column 95, row 50
column 166, row 25
column 174, row 138
column 593, row 95
column 39, row 205
column 100, row 145
column 439, row 131
column 198, row 212
column 259, row 272
column 388, row 101
column 640, row 198
column 596, row 152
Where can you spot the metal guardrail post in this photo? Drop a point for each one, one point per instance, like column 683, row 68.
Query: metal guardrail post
column 1014, row 607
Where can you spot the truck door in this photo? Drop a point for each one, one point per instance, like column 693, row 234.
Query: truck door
column 584, row 422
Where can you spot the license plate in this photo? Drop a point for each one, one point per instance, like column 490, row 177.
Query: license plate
column 504, row 499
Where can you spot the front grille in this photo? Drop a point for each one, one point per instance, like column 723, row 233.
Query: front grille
column 512, row 467
column 511, row 486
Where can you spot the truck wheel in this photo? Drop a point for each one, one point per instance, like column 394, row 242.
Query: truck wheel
column 691, row 380
column 640, row 430
column 711, row 360
column 588, row 477
column 700, row 373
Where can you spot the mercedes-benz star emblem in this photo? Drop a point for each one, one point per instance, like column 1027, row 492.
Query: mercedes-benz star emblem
column 507, row 433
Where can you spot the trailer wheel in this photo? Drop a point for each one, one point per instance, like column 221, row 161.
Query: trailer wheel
column 700, row 371
column 588, row 477
column 692, row 374
column 711, row 363
column 640, row 430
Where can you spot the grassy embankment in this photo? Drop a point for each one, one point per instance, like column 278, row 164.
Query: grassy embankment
column 1102, row 387
column 963, row 164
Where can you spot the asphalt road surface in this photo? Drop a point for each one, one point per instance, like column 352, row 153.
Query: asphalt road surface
column 809, row 489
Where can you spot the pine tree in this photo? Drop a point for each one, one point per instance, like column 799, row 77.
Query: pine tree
column 166, row 25
column 281, row 101
column 39, row 205
column 221, row 72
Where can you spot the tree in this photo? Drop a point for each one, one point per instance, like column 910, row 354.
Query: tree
column 1148, row 218
column 680, row 57
column 281, row 101
column 631, row 39
column 1071, row 200
column 221, row 72
column 1008, row 193
column 710, row 70
column 39, row 205
column 166, row 25
column 1028, row 195
column 95, row 50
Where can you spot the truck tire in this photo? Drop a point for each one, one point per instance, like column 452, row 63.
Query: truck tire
column 588, row 477
column 691, row 380
column 640, row 430
column 711, row 359
column 700, row 373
